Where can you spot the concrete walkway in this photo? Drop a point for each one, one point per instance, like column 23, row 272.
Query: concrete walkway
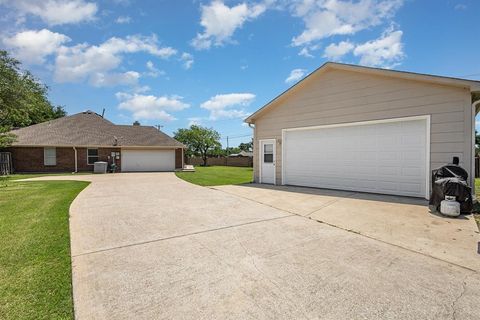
column 151, row 246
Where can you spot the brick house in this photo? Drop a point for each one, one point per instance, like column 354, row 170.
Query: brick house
column 74, row 143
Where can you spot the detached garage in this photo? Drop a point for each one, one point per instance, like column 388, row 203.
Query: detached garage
column 365, row 129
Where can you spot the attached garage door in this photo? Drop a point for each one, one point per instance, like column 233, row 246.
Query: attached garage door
column 387, row 157
column 148, row 160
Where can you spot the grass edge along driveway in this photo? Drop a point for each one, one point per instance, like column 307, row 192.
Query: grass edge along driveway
column 35, row 265
column 217, row 175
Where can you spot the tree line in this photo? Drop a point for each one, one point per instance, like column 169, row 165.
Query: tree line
column 205, row 142
column 23, row 99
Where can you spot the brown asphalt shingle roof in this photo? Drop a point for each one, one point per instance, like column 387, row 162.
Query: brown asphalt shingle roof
column 90, row 129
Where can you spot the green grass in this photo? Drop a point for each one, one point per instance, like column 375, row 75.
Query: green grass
column 476, row 207
column 18, row 176
column 35, row 268
column 217, row 175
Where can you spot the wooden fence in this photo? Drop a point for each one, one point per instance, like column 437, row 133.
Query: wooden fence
column 222, row 161
column 5, row 163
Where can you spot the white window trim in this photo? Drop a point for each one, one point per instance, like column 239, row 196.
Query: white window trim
column 88, row 157
column 45, row 157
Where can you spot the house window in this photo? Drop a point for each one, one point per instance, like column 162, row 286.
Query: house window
column 268, row 153
column 92, row 156
column 50, row 156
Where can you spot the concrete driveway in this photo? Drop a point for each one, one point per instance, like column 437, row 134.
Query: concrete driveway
column 402, row 221
column 151, row 246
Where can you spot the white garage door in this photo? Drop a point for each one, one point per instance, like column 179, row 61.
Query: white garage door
column 387, row 157
column 148, row 160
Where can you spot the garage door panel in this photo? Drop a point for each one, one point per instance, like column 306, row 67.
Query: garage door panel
column 385, row 157
column 148, row 160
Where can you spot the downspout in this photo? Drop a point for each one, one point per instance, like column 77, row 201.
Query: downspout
column 254, row 159
column 475, row 105
column 76, row 162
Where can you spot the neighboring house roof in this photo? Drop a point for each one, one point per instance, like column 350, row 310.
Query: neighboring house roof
column 472, row 85
column 242, row 154
column 90, row 129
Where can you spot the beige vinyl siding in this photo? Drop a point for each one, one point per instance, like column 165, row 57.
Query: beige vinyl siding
column 338, row 96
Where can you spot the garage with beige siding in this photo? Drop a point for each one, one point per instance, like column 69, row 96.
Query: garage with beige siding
column 340, row 95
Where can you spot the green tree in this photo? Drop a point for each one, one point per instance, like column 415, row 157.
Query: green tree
column 23, row 99
column 199, row 141
column 246, row 146
column 6, row 138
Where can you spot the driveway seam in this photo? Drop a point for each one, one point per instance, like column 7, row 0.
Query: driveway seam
column 181, row 236
column 329, row 203
column 352, row 231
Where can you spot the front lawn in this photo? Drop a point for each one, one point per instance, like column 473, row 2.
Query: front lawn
column 35, row 268
column 217, row 175
column 18, row 176
column 476, row 207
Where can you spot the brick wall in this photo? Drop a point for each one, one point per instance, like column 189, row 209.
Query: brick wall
column 178, row 158
column 30, row 159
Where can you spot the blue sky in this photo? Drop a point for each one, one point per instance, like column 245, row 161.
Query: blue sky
column 174, row 63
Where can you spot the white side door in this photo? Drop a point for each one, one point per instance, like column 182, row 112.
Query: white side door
column 267, row 161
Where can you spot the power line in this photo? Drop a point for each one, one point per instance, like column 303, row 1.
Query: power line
column 236, row 137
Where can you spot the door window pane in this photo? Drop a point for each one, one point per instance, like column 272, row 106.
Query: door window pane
column 268, row 153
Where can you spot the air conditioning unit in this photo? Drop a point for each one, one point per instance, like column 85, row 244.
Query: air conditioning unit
column 100, row 167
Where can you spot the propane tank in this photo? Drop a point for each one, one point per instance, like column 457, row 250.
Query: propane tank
column 450, row 207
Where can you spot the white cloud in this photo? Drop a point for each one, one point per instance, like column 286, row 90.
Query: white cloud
column 152, row 70
column 83, row 61
column 141, row 89
column 56, row 12
column 336, row 51
column 197, row 121
column 123, row 20
column 325, row 18
column 386, row 51
column 220, row 22
column 187, row 59
column 460, row 6
column 222, row 105
column 295, row 75
column 34, row 46
column 151, row 107
column 305, row 53
column 129, row 78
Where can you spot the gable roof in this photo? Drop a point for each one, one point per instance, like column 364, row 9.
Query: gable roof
column 90, row 129
column 473, row 85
